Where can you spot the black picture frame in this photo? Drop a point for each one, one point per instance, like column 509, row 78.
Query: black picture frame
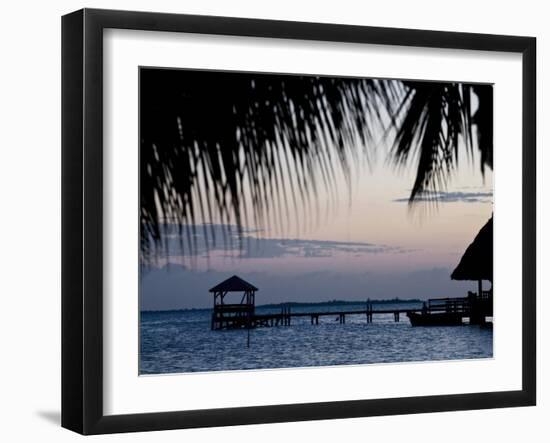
column 82, row 218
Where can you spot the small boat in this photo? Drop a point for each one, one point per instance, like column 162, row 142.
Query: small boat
column 435, row 319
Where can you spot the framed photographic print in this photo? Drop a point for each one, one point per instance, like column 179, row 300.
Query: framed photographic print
column 269, row 221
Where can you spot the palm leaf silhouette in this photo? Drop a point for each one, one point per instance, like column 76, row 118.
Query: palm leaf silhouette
column 429, row 121
column 236, row 147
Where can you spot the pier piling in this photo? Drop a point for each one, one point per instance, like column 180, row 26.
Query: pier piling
column 369, row 312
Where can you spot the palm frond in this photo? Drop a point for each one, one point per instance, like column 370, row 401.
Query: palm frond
column 430, row 121
column 222, row 146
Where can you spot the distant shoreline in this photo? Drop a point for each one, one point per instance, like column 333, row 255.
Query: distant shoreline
column 305, row 304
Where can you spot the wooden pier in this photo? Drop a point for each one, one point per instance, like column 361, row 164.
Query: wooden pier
column 434, row 312
column 228, row 318
column 454, row 310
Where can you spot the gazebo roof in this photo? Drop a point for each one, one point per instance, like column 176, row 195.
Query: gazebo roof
column 233, row 284
column 477, row 261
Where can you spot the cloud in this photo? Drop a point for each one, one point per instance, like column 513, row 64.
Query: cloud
column 453, row 197
column 225, row 240
column 279, row 247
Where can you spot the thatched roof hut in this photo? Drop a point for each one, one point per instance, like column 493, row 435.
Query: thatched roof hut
column 233, row 315
column 477, row 261
column 234, row 284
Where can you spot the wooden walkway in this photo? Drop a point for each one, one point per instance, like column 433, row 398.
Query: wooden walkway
column 222, row 319
column 284, row 319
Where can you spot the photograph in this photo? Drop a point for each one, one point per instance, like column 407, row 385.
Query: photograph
column 296, row 220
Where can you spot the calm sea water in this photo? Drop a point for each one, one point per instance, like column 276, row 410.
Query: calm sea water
column 181, row 341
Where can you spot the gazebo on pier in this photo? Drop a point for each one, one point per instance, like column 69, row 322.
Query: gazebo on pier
column 233, row 315
column 477, row 265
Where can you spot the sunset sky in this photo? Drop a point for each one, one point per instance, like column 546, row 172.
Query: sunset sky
column 365, row 244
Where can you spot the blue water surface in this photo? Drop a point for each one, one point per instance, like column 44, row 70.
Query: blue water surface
column 182, row 341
